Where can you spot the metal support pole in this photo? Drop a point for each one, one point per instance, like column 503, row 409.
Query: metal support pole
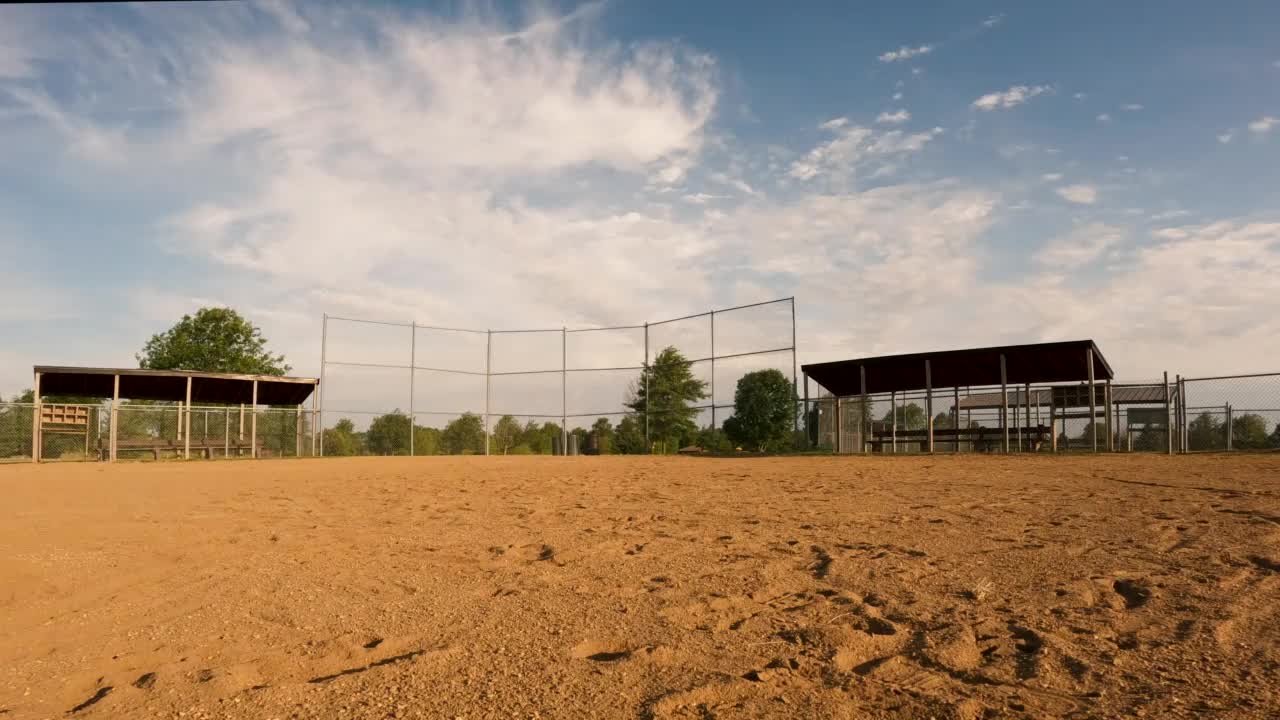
column 1168, row 415
column 808, row 431
column 324, row 341
column 253, row 424
column 893, row 420
column 413, row 362
column 1112, row 427
column 226, row 433
column 713, row 369
column 115, row 412
column 186, row 423
column 488, row 370
column 240, row 427
column 794, row 370
column 315, row 438
column 928, row 402
column 955, row 416
column 1053, row 424
column 1182, row 405
column 1229, row 429
column 564, row 390
column 37, row 438
column 862, row 409
column 1026, row 417
column 297, row 432
column 837, row 424
column 1004, row 402
column 1093, row 402
column 647, row 445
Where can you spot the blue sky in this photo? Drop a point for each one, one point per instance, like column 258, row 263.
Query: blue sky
column 918, row 175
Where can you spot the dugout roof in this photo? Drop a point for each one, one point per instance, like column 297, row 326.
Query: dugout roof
column 1052, row 362
column 1120, row 395
column 206, row 388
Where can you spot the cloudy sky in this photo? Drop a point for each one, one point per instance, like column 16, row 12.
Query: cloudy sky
column 918, row 178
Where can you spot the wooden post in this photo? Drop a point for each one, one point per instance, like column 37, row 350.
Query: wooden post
column 928, row 403
column 37, row 438
column 186, row 424
column 1004, row 402
column 115, row 412
column 253, row 424
column 1093, row 402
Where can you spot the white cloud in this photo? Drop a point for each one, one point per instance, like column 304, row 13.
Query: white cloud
column 701, row 198
column 1051, row 177
column 1226, row 137
column 1170, row 233
column 1080, row 194
column 1079, row 96
column 905, row 53
column 1080, row 246
column 1014, row 96
column 993, row 21
column 1170, row 215
column 1104, row 118
column 1131, row 107
column 855, row 146
column 1263, row 124
column 897, row 96
column 834, row 123
column 893, row 118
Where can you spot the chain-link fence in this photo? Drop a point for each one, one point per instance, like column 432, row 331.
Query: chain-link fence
column 1229, row 413
column 410, row 389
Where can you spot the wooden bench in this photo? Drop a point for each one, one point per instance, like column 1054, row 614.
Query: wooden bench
column 983, row 439
column 159, row 445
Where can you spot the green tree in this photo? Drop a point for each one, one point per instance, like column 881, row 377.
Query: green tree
column 506, row 434
column 214, row 340
column 603, row 431
column 666, row 392
column 1274, row 440
column 464, row 435
column 341, row 440
column 714, row 440
column 628, row 438
column 389, row 434
column 1249, row 432
column 426, row 440
column 1206, row 432
column 763, row 411
column 910, row 417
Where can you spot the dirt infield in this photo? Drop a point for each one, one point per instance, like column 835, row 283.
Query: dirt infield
column 920, row 587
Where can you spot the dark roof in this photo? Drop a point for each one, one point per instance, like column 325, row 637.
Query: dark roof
column 1120, row 395
column 207, row 388
column 1037, row 363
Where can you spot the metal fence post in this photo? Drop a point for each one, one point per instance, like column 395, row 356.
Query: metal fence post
column 413, row 362
column 36, row 439
column 795, row 390
column 324, row 341
column 713, row 369
column 862, row 409
column 115, row 413
column 1168, row 416
column 564, row 390
column 1230, row 430
column 488, row 372
column 928, row 402
column 893, row 420
column 645, row 373
column 1093, row 402
column 1004, row 402
column 184, row 422
column 253, row 424
column 226, row 433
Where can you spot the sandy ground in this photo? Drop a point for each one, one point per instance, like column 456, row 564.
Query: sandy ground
column 853, row 587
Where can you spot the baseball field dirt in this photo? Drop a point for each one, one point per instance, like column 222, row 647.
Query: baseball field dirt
column 616, row 587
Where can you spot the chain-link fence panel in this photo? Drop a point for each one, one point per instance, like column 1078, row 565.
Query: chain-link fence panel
column 15, row 432
column 1229, row 414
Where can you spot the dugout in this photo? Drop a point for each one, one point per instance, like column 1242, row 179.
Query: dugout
column 1076, row 371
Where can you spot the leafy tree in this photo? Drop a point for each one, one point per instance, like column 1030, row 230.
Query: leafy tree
column 389, row 434
column 464, row 436
column 763, row 411
column 1249, row 432
column 215, row 340
column 665, row 392
column 714, row 440
column 342, row 440
column 603, row 431
column 910, row 417
column 1274, row 440
column 628, row 438
column 1206, row 432
column 506, row 434
column 426, row 440
column 943, row 421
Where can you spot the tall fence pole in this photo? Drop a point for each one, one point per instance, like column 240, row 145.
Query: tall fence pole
column 1168, row 416
column 713, row 369
column 324, row 342
column 115, row 414
column 253, row 424
column 795, row 379
column 488, row 373
column 564, row 390
column 862, row 409
column 928, row 402
column 413, row 363
column 1093, row 402
column 645, row 372
column 1004, row 402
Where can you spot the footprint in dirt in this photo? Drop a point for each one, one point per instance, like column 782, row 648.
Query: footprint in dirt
column 1135, row 594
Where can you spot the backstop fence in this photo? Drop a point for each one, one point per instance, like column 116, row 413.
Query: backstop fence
column 414, row 389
